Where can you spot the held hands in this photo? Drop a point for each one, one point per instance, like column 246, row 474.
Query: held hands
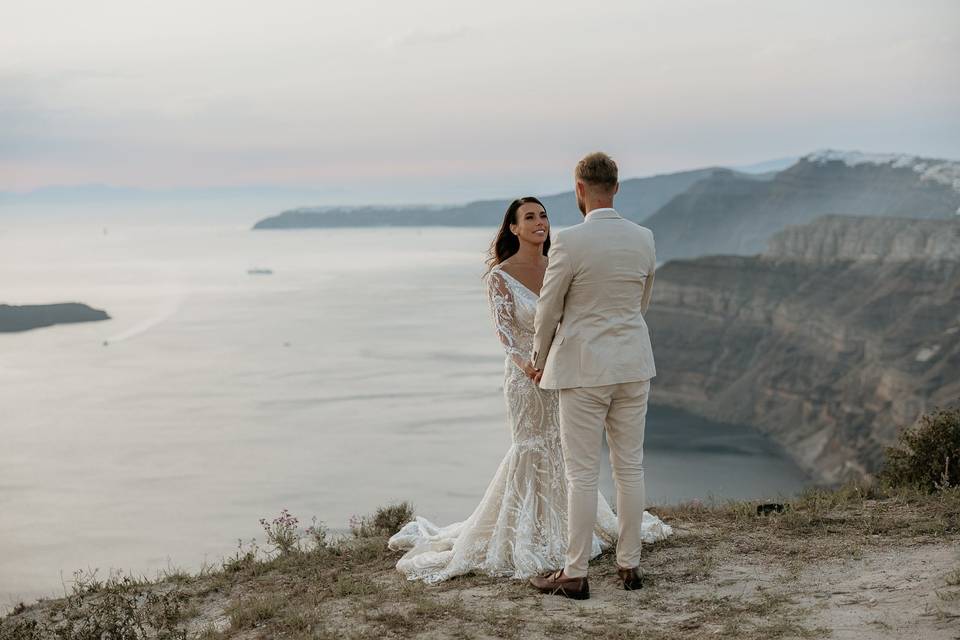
column 532, row 372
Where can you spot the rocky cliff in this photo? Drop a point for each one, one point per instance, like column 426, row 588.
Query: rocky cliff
column 868, row 239
column 818, row 342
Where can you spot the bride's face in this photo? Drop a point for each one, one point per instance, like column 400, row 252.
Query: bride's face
column 532, row 224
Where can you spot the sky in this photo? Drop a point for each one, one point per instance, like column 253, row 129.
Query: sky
column 439, row 100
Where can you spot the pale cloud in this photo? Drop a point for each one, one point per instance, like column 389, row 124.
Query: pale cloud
column 435, row 95
column 426, row 37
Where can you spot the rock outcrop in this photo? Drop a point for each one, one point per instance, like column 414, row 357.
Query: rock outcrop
column 845, row 331
column 868, row 239
column 24, row 318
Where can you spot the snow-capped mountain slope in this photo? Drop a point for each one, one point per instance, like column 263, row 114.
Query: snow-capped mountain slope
column 946, row 172
column 727, row 213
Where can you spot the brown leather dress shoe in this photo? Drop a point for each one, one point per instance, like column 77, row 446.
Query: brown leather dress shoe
column 632, row 579
column 558, row 584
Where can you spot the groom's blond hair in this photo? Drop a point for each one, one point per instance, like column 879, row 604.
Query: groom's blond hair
column 597, row 170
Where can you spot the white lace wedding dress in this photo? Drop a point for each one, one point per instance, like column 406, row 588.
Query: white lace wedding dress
column 519, row 529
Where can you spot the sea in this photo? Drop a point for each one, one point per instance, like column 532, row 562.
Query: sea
column 322, row 371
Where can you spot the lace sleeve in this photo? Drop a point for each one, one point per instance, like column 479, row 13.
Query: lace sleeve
column 501, row 309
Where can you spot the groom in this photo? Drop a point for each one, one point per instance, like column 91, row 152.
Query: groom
column 592, row 344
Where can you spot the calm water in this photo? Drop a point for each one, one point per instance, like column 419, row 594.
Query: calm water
column 363, row 370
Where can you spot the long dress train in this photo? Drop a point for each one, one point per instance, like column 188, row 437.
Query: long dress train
column 519, row 529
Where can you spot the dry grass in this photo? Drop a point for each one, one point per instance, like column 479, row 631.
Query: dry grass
column 727, row 573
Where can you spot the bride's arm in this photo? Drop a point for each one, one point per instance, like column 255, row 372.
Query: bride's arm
column 501, row 309
column 553, row 294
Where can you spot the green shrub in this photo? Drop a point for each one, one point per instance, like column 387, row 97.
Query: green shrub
column 118, row 608
column 385, row 522
column 22, row 630
column 928, row 454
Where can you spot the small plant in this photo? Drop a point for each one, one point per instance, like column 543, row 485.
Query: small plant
column 928, row 454
column 385, row 522
column 318, row 533
column 953, row 578
column 86, row 581
column 282, row 532
column 248, row 613
column 243, row 558
column 360, row 527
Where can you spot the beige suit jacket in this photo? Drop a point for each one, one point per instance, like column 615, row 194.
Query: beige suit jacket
column 589, row 327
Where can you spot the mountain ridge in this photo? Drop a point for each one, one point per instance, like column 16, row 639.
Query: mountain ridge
column 725, row 214
column 710, row 211
column 637, row 199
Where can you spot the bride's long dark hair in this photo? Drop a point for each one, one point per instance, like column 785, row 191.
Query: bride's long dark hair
column 506, row 244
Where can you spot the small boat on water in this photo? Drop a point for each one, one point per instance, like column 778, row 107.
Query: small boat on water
column 258, row 271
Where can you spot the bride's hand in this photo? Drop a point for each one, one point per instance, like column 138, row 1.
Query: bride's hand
column 529, row 370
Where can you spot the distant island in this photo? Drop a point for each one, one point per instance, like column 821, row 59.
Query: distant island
column 707, row 211
column 638, row 199
column 24, row 318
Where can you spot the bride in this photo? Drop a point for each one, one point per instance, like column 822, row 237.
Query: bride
column 519, row 529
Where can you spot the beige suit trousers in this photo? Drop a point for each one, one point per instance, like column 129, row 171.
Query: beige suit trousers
column 584, row 412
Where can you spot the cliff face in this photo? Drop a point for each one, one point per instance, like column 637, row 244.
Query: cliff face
column 829, row 355
column 728, row 214
column 868, row 239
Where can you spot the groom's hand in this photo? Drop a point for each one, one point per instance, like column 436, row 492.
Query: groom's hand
column 532, row 372
column 529, row 370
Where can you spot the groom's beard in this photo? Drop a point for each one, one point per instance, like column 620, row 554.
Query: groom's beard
column 581, row 205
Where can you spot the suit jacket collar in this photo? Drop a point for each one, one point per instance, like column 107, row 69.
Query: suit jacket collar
column 602, row 214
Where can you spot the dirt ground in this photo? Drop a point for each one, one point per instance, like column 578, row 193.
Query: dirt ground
column 845, row 564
